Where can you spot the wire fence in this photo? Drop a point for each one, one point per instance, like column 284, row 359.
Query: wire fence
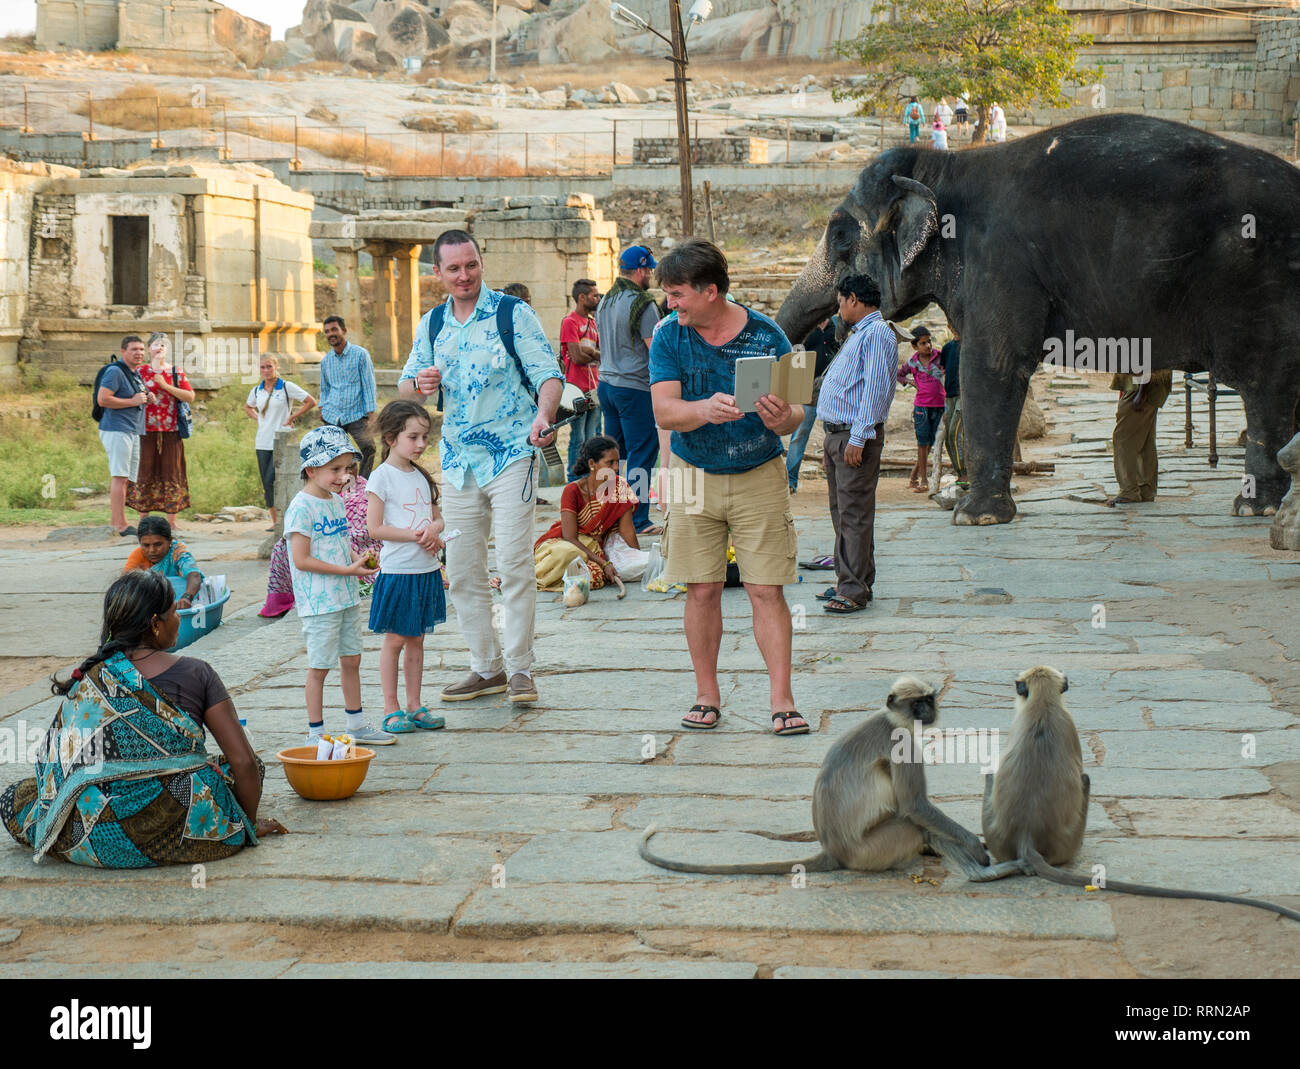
column 171, row 120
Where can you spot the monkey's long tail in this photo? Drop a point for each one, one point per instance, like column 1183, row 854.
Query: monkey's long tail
column 1072, row 879
column 822, row 862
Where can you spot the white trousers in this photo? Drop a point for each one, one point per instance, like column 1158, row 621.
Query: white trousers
column 507, row 504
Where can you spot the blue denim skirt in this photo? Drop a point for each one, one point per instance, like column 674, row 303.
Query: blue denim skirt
column 411, row 604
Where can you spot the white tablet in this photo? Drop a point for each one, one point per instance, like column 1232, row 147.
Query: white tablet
column 753, row 380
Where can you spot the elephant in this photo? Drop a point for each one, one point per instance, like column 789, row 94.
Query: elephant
column 1115, row 228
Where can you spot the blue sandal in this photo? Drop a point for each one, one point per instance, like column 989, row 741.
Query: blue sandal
column 422, row 718
column 398, row 723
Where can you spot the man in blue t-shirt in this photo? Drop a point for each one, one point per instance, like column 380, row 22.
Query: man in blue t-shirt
column 123, row 398
column 730, row 471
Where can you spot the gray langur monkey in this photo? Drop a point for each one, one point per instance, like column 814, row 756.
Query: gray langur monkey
column 870, row 811
column 1036, row 804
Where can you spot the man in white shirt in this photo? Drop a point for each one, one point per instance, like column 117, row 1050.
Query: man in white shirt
column 269, row 403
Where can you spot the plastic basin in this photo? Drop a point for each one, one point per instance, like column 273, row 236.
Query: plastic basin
column 324, row 781
column 198, row 620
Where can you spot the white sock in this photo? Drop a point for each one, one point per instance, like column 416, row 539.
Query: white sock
column 315, row 731
column 355, row 720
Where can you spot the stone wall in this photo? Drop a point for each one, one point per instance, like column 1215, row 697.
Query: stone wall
column 202, row 29
column 90, row 25
column 548, row 243
column 703, row 150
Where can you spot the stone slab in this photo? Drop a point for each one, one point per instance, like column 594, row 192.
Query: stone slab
column 528, row 970
column 162, row 970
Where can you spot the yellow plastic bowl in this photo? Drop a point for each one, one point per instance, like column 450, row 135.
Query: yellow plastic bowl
column 324, row 781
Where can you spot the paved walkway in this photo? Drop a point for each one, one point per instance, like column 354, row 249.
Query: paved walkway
column 514, row 831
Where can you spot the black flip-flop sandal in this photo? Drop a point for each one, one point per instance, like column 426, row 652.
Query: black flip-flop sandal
column 696, row 725
column 792, row 715
column 826, row 594
column 842, row 605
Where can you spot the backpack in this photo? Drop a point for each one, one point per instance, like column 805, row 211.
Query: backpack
column 96, row 409
column 505, row 328
column 914, row 111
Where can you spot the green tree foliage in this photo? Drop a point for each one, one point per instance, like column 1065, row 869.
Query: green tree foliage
column 1016, row 53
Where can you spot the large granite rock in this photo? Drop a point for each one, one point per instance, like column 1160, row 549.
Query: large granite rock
column 587, row 35
column 1033, row 424
column 354, row 44
column 410, row 33
column 247, row 39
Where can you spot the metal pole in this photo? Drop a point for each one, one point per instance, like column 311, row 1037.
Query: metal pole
column 90, row 115
column 613, row 152
column 708, row 212
column 680, row 59
column 492, row 64
column 1187, row 393
column 1213, row 390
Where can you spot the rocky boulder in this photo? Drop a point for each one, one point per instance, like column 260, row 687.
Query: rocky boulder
column 459, row 122
column 1033, row 424
column 354, row 44
column 320, row 13
column 585, row 36
column 410, row 33
column 382, row 12
column 247, row 39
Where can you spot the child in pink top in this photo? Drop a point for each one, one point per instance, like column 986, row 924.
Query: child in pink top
column 925, row 369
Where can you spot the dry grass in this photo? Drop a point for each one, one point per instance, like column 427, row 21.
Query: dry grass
column 142, row 108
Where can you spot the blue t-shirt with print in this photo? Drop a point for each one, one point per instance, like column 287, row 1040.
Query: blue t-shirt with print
column 125, row 384
column 325, row 523
column 679, row 354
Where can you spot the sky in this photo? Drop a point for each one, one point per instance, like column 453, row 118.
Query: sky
column 19, row 16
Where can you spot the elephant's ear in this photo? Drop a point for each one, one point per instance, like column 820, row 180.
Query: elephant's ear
column 917, row 219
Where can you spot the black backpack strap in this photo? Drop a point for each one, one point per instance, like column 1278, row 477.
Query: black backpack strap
column 436, row 318
column 506, row 329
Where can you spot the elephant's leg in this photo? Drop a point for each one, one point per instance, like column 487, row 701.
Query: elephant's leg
column 992, row 393
column 1270, row 413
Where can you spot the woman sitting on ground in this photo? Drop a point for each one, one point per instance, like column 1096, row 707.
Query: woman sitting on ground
column 123, row 778
column 158, row 553
column 594, row 510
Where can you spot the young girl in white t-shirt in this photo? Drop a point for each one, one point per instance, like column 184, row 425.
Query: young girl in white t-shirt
column 408, row 599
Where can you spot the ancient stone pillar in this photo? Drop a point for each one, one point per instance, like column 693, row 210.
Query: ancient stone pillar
column 384, row 346
column 1285, row 530
column 348, row 292
column 407, row 258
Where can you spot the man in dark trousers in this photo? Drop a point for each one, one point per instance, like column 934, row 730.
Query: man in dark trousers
column 1137, row 465
column 853, row 406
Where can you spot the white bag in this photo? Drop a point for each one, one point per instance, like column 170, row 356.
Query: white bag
column 628, row 562
column 577, row 583
column 654, row 567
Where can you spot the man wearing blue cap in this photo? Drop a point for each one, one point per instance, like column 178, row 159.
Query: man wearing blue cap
column 625, row 322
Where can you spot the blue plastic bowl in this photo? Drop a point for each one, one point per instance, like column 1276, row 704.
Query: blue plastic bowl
column 197, row 621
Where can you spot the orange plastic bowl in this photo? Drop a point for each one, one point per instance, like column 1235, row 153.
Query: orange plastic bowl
column 324, row 781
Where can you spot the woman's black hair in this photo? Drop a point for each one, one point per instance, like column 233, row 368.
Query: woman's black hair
column 153, row 525
column 592, row 450
column 131, row 605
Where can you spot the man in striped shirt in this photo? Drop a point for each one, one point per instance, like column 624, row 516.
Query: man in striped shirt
column 347, row 389
column 853, row 406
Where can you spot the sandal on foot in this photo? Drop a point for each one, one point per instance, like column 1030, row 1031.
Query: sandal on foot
column 785, row 718
column 824, row 563
column 842, row 605
column 397, row 723
column 422, row 718
column 826, row 594
column 702, row 710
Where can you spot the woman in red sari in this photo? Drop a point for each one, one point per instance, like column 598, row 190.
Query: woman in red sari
column 161, row 485
column 592, row 508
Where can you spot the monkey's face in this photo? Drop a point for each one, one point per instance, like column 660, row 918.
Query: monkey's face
column 1045, row 678
column 924, row 709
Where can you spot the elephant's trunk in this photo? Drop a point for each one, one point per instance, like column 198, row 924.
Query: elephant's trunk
column 811, row 299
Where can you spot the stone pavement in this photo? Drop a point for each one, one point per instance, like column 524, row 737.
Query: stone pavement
column 516, row 827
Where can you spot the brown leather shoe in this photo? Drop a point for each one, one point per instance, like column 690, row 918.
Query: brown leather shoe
column 522, row 689
column 474, row 686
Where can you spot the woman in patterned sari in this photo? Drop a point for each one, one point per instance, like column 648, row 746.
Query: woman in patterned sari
column 161, row 484
column 123, row 779
column 592, row 508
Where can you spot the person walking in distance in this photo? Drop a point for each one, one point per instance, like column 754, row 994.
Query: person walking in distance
column 734, row 462
column 347, row 389
column 122, row 397
column 580, row 358
column 502, row 384
column 626, row 319
column 950, row 358
column 853, row 406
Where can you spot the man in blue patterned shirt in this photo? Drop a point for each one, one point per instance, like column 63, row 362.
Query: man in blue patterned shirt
column 347, row 389
column 490, row 426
